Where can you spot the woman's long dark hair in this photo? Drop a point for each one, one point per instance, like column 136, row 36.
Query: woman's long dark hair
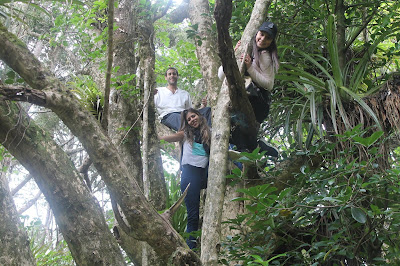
column 189, row 131
column 273, row 51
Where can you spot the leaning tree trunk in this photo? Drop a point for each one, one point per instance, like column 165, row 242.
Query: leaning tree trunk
column 14, row 243
column 49, row 92
column 77, row 212
column 232, row 93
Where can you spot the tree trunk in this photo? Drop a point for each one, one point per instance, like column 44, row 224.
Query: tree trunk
column 78, row 214
column 157, row 187
column 156, row 190
column 124, row 106
column 206, row 49
column 232, row 93
column 14, row 243
column 49, row 92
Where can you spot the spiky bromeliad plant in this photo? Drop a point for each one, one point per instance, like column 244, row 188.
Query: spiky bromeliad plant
column 332, row 89
column 333, row 99
column 89, row 95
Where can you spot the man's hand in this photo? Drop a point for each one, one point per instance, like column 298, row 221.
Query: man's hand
column 203, row 102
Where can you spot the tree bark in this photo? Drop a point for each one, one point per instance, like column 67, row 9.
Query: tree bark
column 14, row 243
column 49, row 92
column 180, row 13
column 77, row 213
column 155, row 170
column 206, row 49
column 232, row 96
column 153, row 174
column 124, row 105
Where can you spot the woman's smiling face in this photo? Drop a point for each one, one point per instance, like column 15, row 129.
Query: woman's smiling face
column 192, row 119
column 263, row 40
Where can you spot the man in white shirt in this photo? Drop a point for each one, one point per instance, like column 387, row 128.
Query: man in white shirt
column 170, row 101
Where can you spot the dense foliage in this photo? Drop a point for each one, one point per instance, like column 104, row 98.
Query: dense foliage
column 345, row 210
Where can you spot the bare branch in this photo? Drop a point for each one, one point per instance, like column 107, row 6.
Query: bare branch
column 21, row 185
column 121, row 222
column 163, row 12
column 180, row 13
column 360, row 29
column 30, row 203
column 83, row 169
column 23, row 94
column 171, row 211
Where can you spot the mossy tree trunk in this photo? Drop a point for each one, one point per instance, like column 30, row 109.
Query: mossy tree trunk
column 77, row 212
column 14, row 243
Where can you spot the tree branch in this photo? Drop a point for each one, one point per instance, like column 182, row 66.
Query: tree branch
column 232, row 95
column 24, row 94
column 119, row 179
column 104, row 121
column 360, row 29
column 171, row 211
column 163, row 12
column 180, row 13
column 21, row 185
column 30, row 203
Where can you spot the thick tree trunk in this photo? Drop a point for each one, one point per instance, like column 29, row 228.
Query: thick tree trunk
column 77, row 212
column 206, row 49
column 14, row 243
column 233, row 96
column 124, row 107
column 157, row 185
column 47, row 91
column 153, row 173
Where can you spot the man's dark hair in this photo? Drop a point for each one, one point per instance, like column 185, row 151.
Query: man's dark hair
column 165, row 74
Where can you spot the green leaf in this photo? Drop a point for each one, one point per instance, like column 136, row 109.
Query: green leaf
column 240, row 199
column 375, row 209
column 363, row 105
column 358, row 215
column 309, row 58
column 333, row 51
column 369, row 140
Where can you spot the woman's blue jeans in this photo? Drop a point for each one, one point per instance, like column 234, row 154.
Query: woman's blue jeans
column 197, row 177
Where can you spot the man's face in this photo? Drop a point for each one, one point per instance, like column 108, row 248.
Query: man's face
column 171, row 77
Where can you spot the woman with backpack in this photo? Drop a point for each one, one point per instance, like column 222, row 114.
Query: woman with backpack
column 261, row 66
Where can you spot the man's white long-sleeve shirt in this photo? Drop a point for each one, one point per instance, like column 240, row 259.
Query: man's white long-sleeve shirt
column 167, row 102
